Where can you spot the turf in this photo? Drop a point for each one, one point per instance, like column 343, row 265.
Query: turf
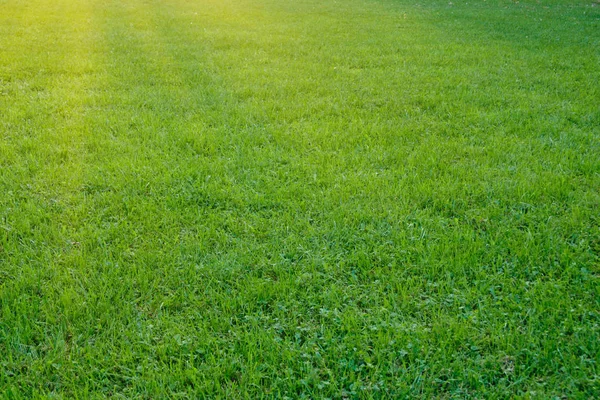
column 301, row 199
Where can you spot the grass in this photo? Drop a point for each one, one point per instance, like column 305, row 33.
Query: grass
column 299, row 199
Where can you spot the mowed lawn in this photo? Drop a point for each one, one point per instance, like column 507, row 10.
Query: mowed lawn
column 299, row 199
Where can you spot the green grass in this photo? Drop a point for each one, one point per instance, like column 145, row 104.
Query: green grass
column 301, row 199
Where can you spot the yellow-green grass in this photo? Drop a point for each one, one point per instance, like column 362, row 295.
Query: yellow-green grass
column 301, row 199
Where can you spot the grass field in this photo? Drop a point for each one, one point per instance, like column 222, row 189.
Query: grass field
column 301, row 199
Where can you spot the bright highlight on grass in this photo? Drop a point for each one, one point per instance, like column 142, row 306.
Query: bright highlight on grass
column 299, row 199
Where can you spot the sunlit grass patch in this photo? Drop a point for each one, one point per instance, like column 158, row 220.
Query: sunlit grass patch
column 308, row 199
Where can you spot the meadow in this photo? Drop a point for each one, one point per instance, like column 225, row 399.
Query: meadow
column 345, row 199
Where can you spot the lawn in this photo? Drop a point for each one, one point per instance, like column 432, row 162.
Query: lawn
column 299, row 199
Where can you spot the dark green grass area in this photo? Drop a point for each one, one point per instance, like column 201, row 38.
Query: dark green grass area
column 301, row 199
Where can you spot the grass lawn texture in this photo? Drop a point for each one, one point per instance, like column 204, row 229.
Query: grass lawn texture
column 358, row 199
